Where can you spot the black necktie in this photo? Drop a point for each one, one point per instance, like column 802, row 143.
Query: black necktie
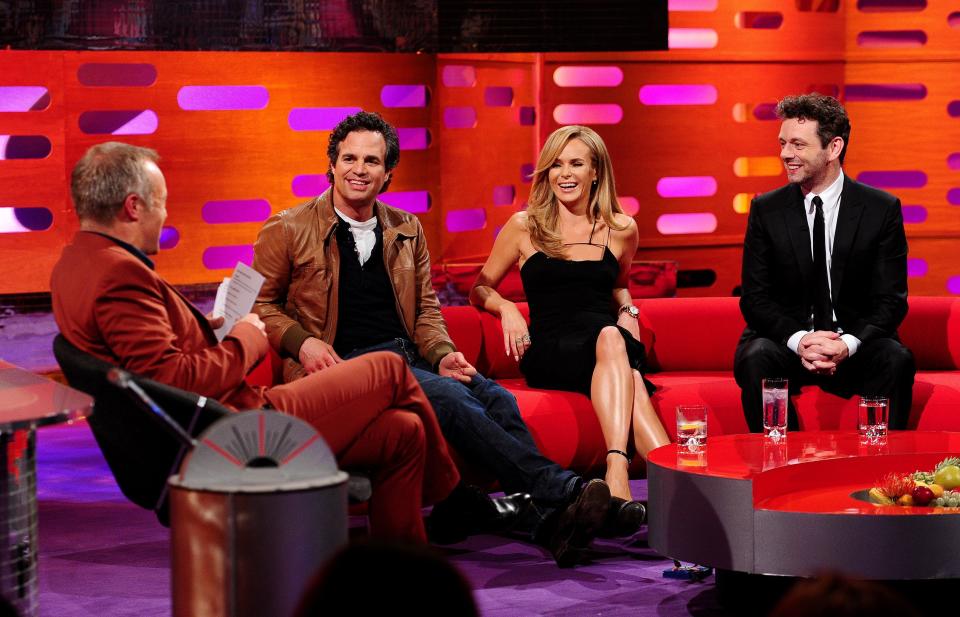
column 822, row 313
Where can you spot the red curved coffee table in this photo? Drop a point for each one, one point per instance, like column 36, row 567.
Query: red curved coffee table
column 750, row 506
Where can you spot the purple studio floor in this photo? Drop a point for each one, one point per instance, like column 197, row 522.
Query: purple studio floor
column 102, row 556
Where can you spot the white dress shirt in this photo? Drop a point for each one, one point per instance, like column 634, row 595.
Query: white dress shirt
column 831, row 208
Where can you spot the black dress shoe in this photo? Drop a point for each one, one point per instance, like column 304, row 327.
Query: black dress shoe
column 468, row 511
column 624, row 518
column 578, row 523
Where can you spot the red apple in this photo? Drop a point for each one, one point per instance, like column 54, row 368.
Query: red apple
column 922, row 495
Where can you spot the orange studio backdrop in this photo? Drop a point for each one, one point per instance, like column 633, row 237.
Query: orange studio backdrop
column 241, row 135
column 691, row 131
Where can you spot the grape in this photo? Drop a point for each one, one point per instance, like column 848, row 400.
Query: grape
column 939, row 501
column 954, row 502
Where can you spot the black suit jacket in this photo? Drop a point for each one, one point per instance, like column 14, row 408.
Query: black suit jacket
column 868, row 272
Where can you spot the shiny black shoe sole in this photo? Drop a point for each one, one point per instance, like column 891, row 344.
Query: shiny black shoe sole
column 579, row 523
column 624, row 518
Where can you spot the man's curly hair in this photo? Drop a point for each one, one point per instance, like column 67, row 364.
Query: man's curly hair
column 365, row 121
column 831, row 117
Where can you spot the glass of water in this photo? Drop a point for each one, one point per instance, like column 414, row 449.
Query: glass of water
column 691, row 427
column 872, row 419
column 775, row 396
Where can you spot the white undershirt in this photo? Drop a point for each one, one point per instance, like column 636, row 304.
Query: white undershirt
column 364, row 236
column 831, row 208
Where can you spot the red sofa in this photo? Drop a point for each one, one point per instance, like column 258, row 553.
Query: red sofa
column 690, row 345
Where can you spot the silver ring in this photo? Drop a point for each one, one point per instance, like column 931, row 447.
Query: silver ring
column 525, row 338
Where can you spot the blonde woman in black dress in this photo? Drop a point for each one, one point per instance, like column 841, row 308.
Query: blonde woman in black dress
column 575, row 245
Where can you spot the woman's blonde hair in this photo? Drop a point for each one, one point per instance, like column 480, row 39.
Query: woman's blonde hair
column 542, row 209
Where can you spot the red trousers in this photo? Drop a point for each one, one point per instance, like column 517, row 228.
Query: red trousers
column 374, row 416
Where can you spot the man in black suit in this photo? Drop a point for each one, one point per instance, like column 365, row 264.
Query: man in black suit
column 824, row 274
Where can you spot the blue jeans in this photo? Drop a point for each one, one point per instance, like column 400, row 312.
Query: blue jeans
column 481, row 420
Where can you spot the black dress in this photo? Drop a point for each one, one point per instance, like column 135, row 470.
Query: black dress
column 570, row 302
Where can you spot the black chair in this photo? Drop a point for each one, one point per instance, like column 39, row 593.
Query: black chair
column 140, row 451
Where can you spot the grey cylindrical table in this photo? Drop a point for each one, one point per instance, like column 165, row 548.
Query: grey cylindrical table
column 794, row 508
column 27, row 401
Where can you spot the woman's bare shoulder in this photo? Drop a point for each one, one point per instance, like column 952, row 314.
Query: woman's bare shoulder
column 628, row 224
column 519, row 219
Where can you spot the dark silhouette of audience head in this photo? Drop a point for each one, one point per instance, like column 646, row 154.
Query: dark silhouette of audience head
column 370, row 578
column 835, row 595
column 7, row 609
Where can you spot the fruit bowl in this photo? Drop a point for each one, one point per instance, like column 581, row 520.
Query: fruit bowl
column 938, row 488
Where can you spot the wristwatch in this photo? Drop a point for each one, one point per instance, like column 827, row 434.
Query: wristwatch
column 630, row 310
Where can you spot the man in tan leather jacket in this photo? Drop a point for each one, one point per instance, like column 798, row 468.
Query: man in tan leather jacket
column 347, row 274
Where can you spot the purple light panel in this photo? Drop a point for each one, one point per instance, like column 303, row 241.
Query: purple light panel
column 953, row 284
column 466, row 220
column 222, row 98
column 169, row 238
column 412, row 95
column 116, row 74
column 765, row 111
column 885, row 92
column 119, row 122
column 692, row 5
column 415, row 202
column 504, row 195
column 630, row 205
column 914, row 214
column 879, row 6
column 893, row 179
column 236, row 211
column 917, row 266
column 588, row 76
column 679, row 94
column 527, row 116
column 953, row 161
column 221, row 257
column 414, row 138
column 687, row 223
column 953, row 196
column 687, row 186
column 588, row 113
column 526, row 172
column 13, row 147
column 691, row 38
column 23, row 98
column 459, row 117
column 953, row 109
column 21, row 220
column 759, row 20
column 459, row 76
column 309, row 185
column 892, row 38
column 318, row 118
column 498, row 96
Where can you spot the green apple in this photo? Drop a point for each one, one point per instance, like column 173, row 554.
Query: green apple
column 948, row 477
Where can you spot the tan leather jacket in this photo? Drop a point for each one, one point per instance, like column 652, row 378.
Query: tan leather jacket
column 297, row 252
